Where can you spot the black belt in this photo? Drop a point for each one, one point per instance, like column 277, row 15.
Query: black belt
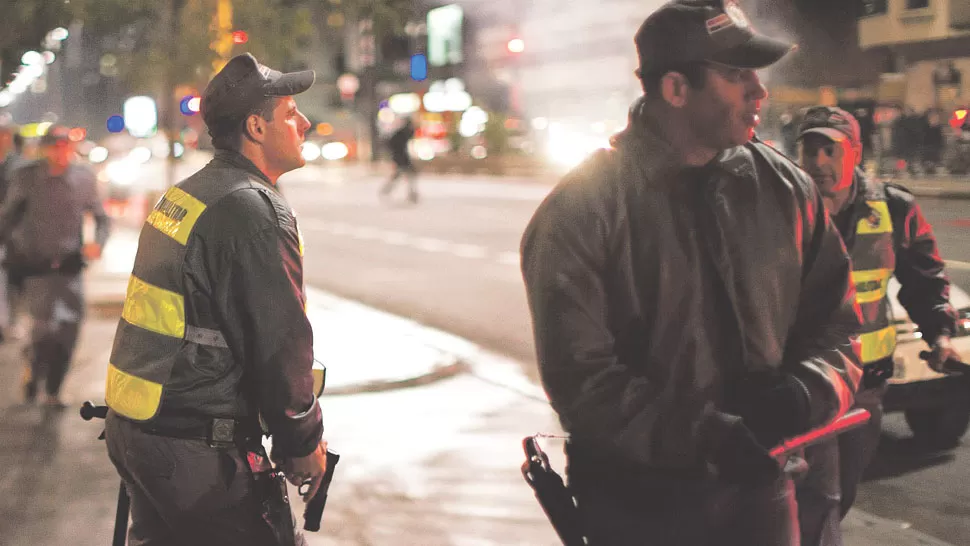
column 217, row 432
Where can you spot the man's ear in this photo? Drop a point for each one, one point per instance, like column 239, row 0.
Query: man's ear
column 674, row 89
column 255, row 128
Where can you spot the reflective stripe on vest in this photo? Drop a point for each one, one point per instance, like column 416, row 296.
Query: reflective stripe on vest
column 879, row 344
column 153, row 329
column 132, row 396
column 874, row 261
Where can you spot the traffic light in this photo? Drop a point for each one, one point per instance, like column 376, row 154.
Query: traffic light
column 225, row 37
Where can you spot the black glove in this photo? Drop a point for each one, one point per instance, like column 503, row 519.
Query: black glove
column 773, row 406
column 738, row 457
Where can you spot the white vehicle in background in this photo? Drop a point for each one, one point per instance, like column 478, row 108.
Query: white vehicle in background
column 936, row 406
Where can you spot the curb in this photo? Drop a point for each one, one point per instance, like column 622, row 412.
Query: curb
column 448, row 366
column 451, row 368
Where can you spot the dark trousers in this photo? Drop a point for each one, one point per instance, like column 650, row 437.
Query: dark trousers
column 819, row 498
column 858, row 447
column 55, row 303
column 184, row 492
column 673, row 510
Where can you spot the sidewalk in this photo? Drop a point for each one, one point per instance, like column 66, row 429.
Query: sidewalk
column 59, row 488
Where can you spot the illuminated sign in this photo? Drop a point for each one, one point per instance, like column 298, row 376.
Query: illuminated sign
column 445, row 36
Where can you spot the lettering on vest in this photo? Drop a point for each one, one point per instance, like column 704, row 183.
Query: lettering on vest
column 868, row 286
column 170, row 209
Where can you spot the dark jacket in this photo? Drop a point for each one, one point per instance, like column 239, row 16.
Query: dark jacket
column 653, row 288
column 915, row 260
column 239, row 270
column 42, row 216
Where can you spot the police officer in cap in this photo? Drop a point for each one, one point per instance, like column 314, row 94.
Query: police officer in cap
column 41, row 223
column 214, row 337
column 886, row 235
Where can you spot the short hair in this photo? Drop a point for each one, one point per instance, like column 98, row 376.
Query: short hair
column 227, row 136
column 695, row 72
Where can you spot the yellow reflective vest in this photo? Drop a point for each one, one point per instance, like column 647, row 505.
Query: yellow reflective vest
column 873, row 263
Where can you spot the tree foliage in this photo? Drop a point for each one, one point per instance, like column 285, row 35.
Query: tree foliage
column 279, row 31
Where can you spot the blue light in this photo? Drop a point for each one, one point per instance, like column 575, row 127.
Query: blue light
column 116, row 124
column 419, row 67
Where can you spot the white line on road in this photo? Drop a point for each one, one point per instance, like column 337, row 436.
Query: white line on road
column 396, row 238
column 509, row 258
column 430, row 244
column 399, row 238
column 469, row 251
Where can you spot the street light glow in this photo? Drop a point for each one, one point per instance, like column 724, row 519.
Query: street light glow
column 31, row 58
column 516, row 45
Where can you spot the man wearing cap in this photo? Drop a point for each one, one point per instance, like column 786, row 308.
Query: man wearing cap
column 41, row 223
column 690, row 299
column 886, row 234
column 214, row 338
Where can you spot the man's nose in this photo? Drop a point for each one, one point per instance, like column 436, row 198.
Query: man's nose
column 756, row 90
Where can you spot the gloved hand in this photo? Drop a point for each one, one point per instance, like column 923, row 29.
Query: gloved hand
column 738, row 457
column 773, row 406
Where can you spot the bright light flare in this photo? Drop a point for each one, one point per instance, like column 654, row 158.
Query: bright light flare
column 334, row 151
column 310, row 151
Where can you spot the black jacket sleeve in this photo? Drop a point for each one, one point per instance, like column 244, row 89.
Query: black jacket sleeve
column 823, row 351
column 264, row 304
column 924, row 287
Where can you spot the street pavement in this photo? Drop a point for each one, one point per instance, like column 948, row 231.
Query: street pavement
column 428, row 423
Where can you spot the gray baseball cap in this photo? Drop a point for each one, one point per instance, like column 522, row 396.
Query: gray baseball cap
column 685, row 31
column 834, row 123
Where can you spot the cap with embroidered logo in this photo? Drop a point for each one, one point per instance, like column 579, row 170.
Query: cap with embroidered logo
column 686, row 31
column 835, row 123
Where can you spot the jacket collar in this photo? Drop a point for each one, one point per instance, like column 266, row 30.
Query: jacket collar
column 242, row 162
column 657, row 159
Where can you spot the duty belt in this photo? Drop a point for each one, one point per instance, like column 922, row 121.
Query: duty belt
column 216, row 432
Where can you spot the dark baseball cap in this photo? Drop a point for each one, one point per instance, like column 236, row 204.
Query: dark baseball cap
column 835, row 123
column 686, row 31
column 244, row 83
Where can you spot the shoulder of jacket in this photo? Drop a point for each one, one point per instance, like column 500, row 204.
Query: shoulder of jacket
column 783, row 164
column 592, row 181
column 773, row 155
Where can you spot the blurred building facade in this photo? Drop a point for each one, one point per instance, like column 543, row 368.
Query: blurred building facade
column 929, row 43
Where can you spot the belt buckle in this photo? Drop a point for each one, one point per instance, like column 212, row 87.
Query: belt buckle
column 222, row 433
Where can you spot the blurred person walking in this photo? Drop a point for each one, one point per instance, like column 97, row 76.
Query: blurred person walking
column 403, row 165
column 8, row 157
column 214, row 338
column 42, row 225
column 691, row 301
column 886, row 235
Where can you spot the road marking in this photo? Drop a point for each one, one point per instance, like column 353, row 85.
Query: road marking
column 509, row 258
column 956, row 264
column 399, row 238
column 430, row 244
column 396, row 238
column 469, row 251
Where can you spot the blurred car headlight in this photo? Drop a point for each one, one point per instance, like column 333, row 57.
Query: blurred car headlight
column 333, row 151
column 310, row 151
